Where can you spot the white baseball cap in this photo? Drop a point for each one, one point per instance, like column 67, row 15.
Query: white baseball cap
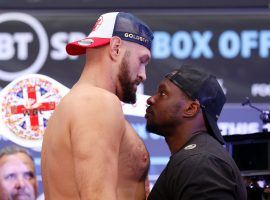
column 124, row 25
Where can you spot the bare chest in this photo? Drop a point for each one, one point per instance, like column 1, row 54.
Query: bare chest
column 134, row 157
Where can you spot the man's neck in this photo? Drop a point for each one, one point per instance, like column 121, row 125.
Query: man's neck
column 98, row 76
column 180, row 137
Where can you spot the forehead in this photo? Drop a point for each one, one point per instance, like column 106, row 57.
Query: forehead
column 166, row 83
column 170, row 86
column 139, row 49
column 16, row 161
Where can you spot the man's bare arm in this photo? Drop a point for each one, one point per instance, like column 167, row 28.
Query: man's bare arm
column 96, row 133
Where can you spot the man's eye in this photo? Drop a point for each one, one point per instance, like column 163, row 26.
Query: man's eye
column 162, row 93
column 144, row 60
column 28, row 175
column 10, row 177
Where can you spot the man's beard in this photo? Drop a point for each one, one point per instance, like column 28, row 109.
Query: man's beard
column 129, row 96
column 162, row 126
column 152, row 128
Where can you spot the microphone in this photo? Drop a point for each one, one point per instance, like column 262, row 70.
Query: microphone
column 265, row 114
column 247, row 101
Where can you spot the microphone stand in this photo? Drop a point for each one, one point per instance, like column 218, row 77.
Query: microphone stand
column 264, row 116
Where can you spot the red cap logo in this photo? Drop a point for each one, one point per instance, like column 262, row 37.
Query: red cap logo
column 98, row 23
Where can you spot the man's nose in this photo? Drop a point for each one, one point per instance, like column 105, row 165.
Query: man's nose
column 142, row 74
column 150, row 100
column 20, row 182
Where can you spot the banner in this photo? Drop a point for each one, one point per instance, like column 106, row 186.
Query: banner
column 234, row 47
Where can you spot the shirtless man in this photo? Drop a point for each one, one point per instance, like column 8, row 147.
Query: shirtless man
column 89, row 150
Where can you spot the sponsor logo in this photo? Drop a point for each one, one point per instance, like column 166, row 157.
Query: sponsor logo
column 136, row 37
column 195, row 44
column 191, row 146
column 98, row 23
column 29, row 46
column 85, row 42
column 19, row 42
column 260, row 90
column 232, row 128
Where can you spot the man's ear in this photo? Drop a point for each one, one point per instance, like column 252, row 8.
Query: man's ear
column 115, row 45
column 192, row 108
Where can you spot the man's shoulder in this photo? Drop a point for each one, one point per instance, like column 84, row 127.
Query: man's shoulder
column 201, row 147
column 92, row 96
column 190, row 154
column 90, row 91
column 92, row 103
column 91, row 107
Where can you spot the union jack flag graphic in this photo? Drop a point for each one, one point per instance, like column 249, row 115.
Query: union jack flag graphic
column 27, row 106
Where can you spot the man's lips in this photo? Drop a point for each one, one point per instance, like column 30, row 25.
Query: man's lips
column 148, row 111
column 21, row 195
column 136, row 84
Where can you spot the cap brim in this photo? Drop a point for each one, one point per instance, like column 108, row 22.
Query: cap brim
column 215, row 132
column 79, row 47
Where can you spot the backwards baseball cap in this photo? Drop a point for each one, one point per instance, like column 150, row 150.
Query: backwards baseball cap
column 204, row 87
column 124, row 25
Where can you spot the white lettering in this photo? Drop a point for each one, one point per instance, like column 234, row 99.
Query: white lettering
column 201, row 47
column 264, row 44
column 181, row 44
column 231, row 128
column 23, row 39
column 161, row 45
column 7, row 50
column 249, row 41
column 260, row 89
column 59, row 41
column 229, row 44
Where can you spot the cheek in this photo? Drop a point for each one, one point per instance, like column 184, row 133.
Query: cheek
column 161, row 111
column 170, row 111
column 32, row 184
column 135, row 65
column 135, row 68
column 5, row 186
